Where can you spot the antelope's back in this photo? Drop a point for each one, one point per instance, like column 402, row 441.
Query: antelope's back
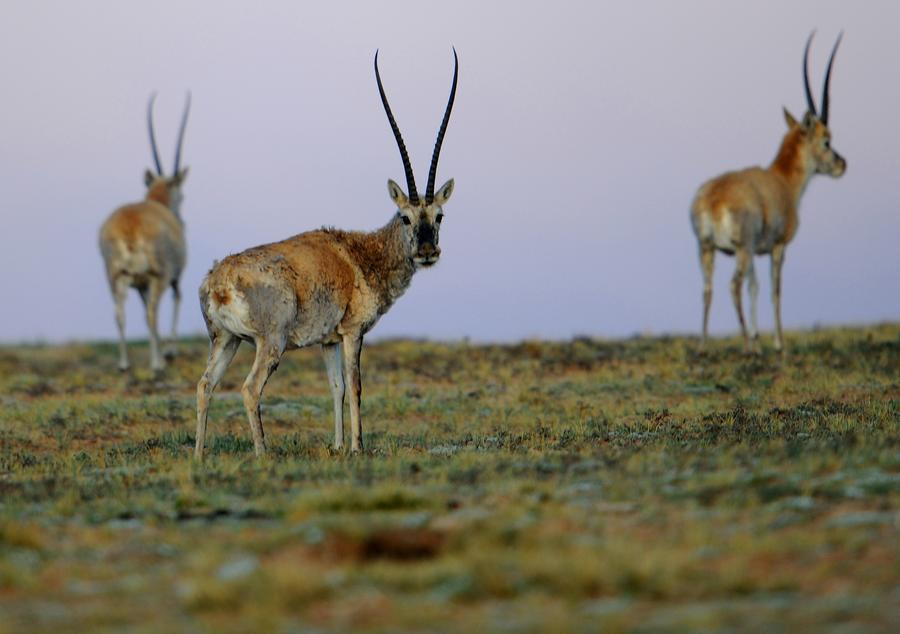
column 303, row 285
column 143, row 238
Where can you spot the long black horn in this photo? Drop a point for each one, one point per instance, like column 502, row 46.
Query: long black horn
column 810, row 104
column 432, row 173
column 410, row 179
column 184, row 118
column 825, row 90
column 159, row 169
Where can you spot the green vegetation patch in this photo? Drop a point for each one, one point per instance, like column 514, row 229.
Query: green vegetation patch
column 578, row 485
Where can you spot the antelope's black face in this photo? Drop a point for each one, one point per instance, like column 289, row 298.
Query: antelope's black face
column 421, row 222
column 825, row 158
column 816, row 135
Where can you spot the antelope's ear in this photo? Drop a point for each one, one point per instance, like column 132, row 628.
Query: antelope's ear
column 443, row 194
column 180, row 177
column 789, row 119
column 397, row 194
column 149, row 177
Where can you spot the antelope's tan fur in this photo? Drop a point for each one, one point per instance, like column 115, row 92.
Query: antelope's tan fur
column 754, row 212
column 325, row 287
column 143, row 248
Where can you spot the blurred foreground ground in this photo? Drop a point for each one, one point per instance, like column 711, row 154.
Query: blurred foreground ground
column 624, row 485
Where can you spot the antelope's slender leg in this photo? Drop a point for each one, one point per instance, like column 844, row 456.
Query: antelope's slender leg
column 777, row 262
column 150, row 295
column 334, row 366
column 221, row 351
column 268, row 354
column 742, row 257
column 753, row 287
column 176, row 303
column 120, row 294
column 352, row 347
column 707, row 258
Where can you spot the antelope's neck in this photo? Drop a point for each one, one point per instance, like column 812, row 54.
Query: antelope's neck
column 793, row 165
column 158, row 192
column 387, row 262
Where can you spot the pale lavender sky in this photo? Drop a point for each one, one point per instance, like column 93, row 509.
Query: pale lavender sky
column 580, row 134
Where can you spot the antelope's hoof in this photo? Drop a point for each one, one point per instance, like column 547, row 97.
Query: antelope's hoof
column 170, row 353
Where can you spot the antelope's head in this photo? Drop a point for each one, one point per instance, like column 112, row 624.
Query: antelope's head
column 167, row 189
column 420, row 217
column 813, row 131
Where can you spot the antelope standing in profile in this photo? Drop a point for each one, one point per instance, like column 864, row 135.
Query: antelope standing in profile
column 143, row 245
column 326, row 286
column 754, row 211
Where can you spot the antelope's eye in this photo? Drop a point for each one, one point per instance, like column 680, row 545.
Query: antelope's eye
column 827, row 143
column 406, row 220
column 438, row 218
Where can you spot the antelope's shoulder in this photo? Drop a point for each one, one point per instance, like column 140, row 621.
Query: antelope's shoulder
column 163, row 216
column 326, row 253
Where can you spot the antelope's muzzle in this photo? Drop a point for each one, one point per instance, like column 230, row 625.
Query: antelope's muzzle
column 840, row 165
column 427, row 254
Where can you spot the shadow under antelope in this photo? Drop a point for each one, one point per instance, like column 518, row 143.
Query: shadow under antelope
column 754, row 211
column 143, row 245
column 326, row 286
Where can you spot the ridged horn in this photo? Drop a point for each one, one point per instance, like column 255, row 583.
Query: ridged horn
column 410, row 179
column 159, row 169
column 184, row 119
column 810, row 104
column 432, row 173
column 826, row 89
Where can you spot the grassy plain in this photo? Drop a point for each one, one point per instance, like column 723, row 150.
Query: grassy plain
column 573, row 486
